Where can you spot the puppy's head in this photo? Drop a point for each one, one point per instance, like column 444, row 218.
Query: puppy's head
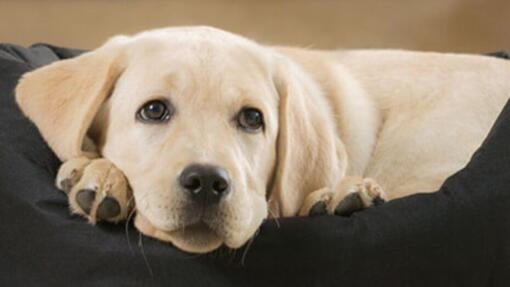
column 207, row 127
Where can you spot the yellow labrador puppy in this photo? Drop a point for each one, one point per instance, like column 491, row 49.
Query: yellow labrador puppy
column 207, row 133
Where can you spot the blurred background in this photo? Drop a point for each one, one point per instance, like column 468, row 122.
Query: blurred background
column 441, row 25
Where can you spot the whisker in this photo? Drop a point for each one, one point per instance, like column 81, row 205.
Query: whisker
column 140, row 244
column 231, row 255
column 248, row 245
column 126, row 226
column 274, row 217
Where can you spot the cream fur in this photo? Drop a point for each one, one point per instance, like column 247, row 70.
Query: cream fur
column 405, row 119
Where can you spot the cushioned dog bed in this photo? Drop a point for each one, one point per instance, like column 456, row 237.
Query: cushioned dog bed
column 458, row 236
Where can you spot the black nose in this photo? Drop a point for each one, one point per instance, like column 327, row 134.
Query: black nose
column 207, row 184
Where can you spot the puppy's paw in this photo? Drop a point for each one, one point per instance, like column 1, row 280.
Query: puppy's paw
column 317, row 202
column 96, row 189
column 353, row 194
column 356, row 194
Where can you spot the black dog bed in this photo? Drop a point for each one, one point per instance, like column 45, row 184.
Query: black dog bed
column 458, row 236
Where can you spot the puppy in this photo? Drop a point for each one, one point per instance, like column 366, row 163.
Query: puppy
column 206, row 133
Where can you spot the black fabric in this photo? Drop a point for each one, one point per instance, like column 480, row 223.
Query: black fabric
column 459, row 236
column 500, row 54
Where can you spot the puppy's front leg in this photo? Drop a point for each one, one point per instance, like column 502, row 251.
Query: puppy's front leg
column 353, row 194
column 96, row 189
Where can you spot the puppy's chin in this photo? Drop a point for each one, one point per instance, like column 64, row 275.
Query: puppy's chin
column 197, row 238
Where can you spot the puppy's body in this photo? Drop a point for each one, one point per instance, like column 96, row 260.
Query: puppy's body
column 408, row 119
column 332, row 128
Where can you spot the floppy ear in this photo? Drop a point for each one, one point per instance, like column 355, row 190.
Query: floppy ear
column 310, row 155
column 63, row 98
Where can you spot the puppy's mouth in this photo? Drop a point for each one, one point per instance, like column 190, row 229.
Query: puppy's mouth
column 195, row 238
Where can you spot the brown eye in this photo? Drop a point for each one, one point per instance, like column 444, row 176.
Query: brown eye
column 155, row 111
column 250, row 119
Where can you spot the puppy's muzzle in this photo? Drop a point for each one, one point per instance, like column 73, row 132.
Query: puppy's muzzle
column 205, row 184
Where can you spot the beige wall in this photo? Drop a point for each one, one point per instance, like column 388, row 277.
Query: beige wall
column 443, row 25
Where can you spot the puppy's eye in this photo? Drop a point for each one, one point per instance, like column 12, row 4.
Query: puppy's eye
column 250, row 119
column 155, row 111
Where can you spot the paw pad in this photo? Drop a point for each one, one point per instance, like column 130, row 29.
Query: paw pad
column 66, row 185
column 353, row 194
column 96, row 189
column 108, row 208
column 319, row 208
column 378, row 201
column 85, row 199
column 351, row 203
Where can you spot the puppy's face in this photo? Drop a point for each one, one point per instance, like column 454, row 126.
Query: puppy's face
column 205, row 125
column 192, row 122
